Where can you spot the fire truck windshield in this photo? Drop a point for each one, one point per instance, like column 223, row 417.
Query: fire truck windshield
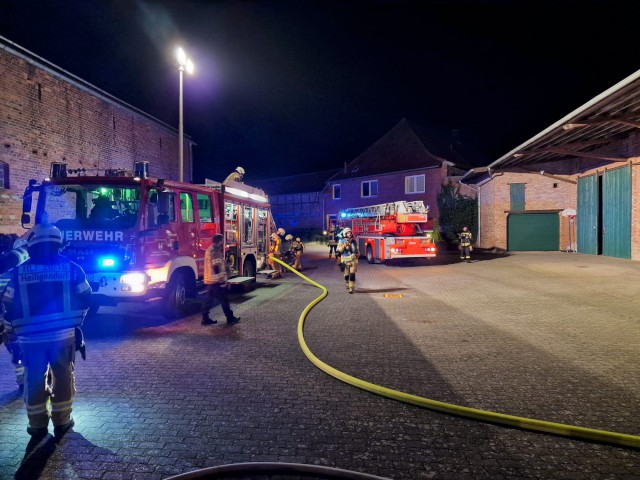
column 91, row 206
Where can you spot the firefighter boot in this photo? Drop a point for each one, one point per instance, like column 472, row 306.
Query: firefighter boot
column 351, row 286
column 208, row 321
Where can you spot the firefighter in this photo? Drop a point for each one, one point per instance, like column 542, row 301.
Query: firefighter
column 465, row 244
column 216, row 274
column 44, row 304
column 274, row 252
column 348, row 250
column 237, row 175
column 11, row 259
column 103, row 209
column 298, row 249
column 333, row 243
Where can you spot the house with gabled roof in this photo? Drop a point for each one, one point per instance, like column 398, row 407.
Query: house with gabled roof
column 409, row 162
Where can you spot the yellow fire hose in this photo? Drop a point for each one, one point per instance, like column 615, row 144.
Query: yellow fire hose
column 572, row 431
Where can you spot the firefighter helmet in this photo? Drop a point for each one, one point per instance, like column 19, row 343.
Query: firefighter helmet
column 44, row 233
column 289, row 237
column 281, row 231
column 240, row 170
column 297, row 239
column 346, row 230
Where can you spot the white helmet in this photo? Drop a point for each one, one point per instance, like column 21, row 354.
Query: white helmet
column 289, row 237
column 280, row 231
column 346, row 230
column 44, row 233
column 240, row 170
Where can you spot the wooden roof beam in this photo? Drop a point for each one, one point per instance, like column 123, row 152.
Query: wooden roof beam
column 571, row 153
column 622, row 120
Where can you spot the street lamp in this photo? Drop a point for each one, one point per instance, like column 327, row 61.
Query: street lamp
column 183, row 64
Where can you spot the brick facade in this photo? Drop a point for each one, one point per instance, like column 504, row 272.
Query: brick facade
column 540, row 194
column 47, row 115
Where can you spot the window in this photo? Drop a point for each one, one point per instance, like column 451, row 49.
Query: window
column 516, row 192
column 4, row 175
column 336, row 192
column 204, row 208
column 370, row 188
column 186, row 207
column 414, row 184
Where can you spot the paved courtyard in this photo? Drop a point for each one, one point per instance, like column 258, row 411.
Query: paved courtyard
column 550, row 336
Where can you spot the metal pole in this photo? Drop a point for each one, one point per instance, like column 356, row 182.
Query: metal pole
column 180, row 130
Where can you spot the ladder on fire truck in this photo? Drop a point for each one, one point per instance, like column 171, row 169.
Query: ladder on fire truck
column 370, row 219
column 388, row 209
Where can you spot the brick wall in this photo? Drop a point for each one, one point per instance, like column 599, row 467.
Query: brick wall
column 542, row 192
column 47, row 116
column 541, row 195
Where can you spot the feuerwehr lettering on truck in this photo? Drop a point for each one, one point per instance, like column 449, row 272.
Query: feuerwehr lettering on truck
column 93, row 235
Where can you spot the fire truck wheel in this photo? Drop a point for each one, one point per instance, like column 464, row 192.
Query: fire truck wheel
column 370, row 258
column 248, row 269
column 177, row 294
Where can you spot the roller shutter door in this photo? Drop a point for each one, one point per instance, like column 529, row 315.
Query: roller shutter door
column 533, row 232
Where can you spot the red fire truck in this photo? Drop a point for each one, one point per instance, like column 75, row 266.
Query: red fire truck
column 140, row 238
column 391, row 230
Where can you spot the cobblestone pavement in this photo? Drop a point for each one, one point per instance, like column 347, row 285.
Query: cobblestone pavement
column 550, row 336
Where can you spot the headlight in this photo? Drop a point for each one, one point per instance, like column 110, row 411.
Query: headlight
column 133, row 278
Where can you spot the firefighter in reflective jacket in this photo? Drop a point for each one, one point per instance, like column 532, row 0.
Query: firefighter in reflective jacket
column 348, row 251
column 274, row 252
column 11, row 259
column 465, row 244
column 298, row 248
column 44, row 303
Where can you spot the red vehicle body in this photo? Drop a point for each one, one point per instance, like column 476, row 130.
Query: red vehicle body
column 149, row 236
column 391, row 230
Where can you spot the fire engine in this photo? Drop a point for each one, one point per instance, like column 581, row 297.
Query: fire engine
column 390, row 230
column 139, row 238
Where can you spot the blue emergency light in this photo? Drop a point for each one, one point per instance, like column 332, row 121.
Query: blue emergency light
column 107, row 262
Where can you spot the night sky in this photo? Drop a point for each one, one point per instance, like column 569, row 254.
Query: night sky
column 287, row 87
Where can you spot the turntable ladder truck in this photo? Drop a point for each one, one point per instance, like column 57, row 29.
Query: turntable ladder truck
column 392, row 230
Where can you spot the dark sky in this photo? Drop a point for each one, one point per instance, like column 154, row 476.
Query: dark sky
column 286, row 87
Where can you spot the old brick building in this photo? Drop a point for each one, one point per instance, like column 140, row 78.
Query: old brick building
column 49, row 115
column 574, row 186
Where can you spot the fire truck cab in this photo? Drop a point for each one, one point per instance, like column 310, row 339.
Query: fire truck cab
column 139, row 238
column 393, row 230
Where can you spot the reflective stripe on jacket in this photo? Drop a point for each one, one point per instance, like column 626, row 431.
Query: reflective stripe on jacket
column 215, row 267
column 45, row 302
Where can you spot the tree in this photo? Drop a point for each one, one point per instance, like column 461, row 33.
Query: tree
column 456, row 211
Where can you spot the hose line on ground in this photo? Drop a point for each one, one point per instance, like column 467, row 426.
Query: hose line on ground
column 270, row 468
column 573, row 431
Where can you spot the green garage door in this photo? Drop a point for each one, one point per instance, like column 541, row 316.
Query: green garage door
column 533, row 231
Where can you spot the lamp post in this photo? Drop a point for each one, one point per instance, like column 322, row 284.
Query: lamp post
column 183, row 64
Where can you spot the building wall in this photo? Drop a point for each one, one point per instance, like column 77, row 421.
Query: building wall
column 390, row 189
column 541, row 195
column 48, row 116
column 542, row 192
column 300, row 211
